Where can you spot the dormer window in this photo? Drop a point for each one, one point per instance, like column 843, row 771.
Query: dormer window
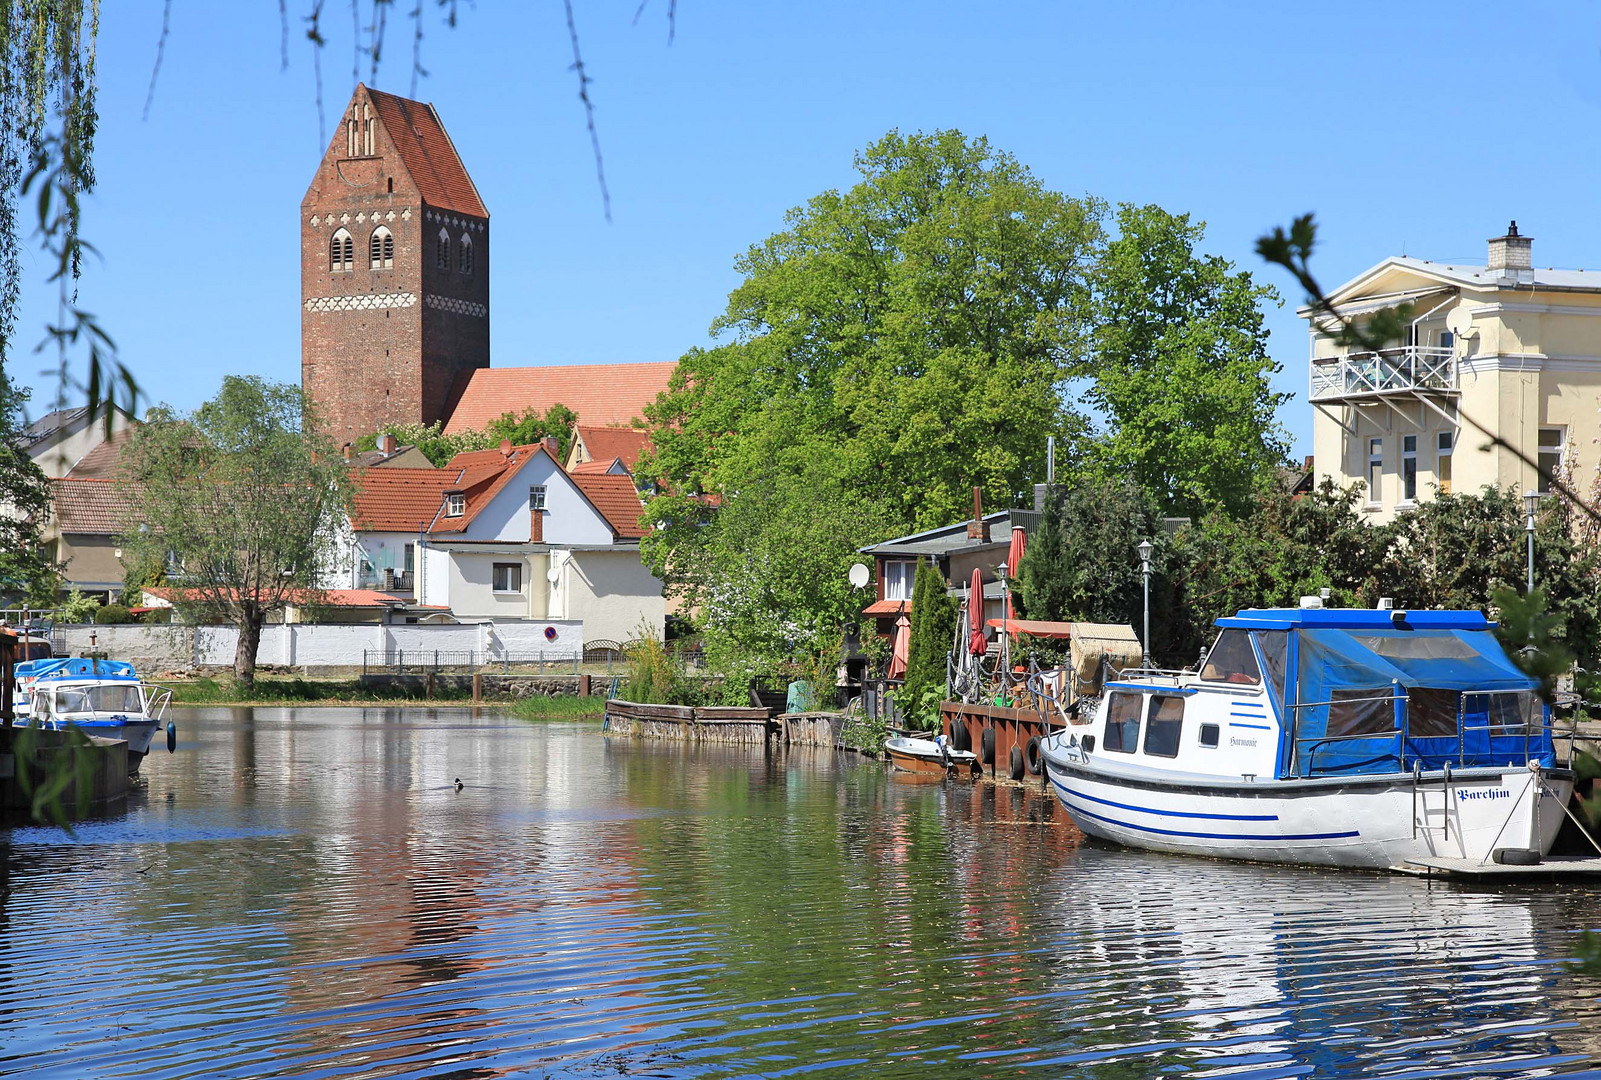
column 383, row 249
column 455, row 505
column 442, row 251
column 341, row 252
column 466, row 255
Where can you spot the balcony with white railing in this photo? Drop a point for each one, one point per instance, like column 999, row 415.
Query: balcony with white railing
column 1410, row 369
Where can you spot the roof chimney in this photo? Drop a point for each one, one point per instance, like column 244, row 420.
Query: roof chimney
column 350, row 451
column 505, row 448
column 978, row 528
column 552, row 445
column 387, row 443
column 1511, row 252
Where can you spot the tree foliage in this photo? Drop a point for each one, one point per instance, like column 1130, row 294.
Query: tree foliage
column 933, row 629
column 27, row 572
column 243, row 499
column 523, row 429
column 1180, row 369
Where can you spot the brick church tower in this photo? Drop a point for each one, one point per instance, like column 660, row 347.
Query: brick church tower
column 394, row 271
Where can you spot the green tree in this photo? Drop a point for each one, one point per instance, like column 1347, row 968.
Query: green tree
column 1180, row 368
column 933, row 618
column 245, row 498
column 27, row 572
column 530, row 426
column 896, row 344
column 1043, row 578
column 430, row 439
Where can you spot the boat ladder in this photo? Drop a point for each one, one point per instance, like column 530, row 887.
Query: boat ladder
column 1421, row 808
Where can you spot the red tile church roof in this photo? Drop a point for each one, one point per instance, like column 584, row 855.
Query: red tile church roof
column 428, row 154
column 601, row 394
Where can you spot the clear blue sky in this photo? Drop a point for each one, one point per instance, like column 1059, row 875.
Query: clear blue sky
column 1416, row 128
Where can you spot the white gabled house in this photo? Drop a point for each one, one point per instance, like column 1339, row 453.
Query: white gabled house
column 507, row 535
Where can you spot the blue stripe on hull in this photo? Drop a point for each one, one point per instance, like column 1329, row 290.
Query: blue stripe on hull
column 1174, row 813
column 1065, row 793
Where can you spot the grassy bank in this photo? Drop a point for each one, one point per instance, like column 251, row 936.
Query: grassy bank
column 279, row 691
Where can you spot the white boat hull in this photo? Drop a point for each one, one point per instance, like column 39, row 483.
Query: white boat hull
column 1375, row 822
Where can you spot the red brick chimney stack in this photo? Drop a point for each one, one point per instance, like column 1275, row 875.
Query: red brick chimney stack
column 536, row 526
column 553, row 447
column 978, row 528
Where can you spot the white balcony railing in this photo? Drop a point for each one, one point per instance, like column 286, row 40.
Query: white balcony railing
column 1359, row 374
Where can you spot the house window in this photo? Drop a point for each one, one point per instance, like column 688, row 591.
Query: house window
column 455, row 505
column 1553, row 441
column 898, row 578
column 382, row 249
column 411, row 557
column 466, row 255
column 508, row 577
column 1375, row 469
column 1409, row 468
column 536, row 497
column 442, row 251
column 1444, row 443
column 341, row 252
column 1446, row 340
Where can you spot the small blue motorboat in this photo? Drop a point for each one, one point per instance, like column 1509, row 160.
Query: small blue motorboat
column 105, row 698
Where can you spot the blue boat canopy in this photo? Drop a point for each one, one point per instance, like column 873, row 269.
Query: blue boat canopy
column 1354, row 619
column 75, row 667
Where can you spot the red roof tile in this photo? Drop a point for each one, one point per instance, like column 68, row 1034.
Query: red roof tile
column 614, row 496
column 427, row 152
column 96, row 507
column 606, row 443
column 887, row 607
column 101, row 462
column 601, row 394
column 399, row 500
column 592, row 468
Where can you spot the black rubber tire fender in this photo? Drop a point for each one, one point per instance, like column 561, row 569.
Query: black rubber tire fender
column 986, row 745
column 1032, row 757
column 1516, row 856
column 1016, row 763
column 960, row 740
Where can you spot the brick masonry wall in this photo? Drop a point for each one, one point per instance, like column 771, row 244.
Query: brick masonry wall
column 391, row 345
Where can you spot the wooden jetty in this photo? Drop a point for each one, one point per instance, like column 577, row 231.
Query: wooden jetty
column 1552, row 866
column 705, row 723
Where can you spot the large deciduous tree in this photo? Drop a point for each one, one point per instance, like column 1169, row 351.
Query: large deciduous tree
column 243, row 500
column 27, row 573
column 1180, row 374
column 896, row 344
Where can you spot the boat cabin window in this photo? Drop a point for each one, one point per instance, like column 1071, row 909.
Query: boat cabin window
column 1432, row 713
column 1506, row 712
column 1122, row 723
column 1208, row 734
column 1164, row 726
column 1275, row 646
column 1361, row 711
column 1232, row 660
column 112, row 699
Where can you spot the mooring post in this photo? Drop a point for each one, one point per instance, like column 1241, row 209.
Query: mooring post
column 478, row 688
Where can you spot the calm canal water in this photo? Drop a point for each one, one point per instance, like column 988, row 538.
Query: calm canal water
column 306, row 893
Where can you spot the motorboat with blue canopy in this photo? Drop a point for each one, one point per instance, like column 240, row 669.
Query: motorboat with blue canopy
column 105, row 698
column 1386, row 734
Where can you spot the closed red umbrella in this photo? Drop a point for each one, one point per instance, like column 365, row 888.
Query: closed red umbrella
column 1014, row 559
column 900, row 652
column 975, row 613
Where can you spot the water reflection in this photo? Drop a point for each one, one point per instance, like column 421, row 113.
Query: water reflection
column 307, row 892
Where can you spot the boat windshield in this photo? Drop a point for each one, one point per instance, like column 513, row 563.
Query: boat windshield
column 98, row 699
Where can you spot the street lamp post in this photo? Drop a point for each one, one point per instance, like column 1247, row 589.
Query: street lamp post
column 1531, row 503
column 1145, row 550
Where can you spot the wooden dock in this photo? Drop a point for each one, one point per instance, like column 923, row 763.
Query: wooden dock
column 1552, row 866
column 707, row 723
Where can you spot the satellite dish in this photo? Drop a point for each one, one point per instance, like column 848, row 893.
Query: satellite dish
column 859, row 575
column 553, row 574
column 1459, row 322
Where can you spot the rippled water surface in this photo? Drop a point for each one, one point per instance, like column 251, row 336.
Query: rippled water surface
column 306, row 893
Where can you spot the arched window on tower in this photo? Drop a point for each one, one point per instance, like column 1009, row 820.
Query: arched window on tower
column 341, row 252
column 442, row 251
column 466, row 255
column 367, row 130
column 382, row 249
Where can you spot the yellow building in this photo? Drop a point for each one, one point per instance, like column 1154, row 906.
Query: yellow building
column 1501, row 350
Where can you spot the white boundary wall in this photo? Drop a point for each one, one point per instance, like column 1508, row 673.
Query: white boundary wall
column 313, row 645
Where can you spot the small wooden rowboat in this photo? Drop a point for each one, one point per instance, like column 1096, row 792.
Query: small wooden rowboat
column 930, row 757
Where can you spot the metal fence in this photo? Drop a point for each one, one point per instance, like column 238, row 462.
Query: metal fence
column 424, row 661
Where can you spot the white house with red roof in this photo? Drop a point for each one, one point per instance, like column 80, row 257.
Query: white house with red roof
column 507, row 535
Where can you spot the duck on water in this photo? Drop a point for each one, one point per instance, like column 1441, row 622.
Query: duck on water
column 1317, row 736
